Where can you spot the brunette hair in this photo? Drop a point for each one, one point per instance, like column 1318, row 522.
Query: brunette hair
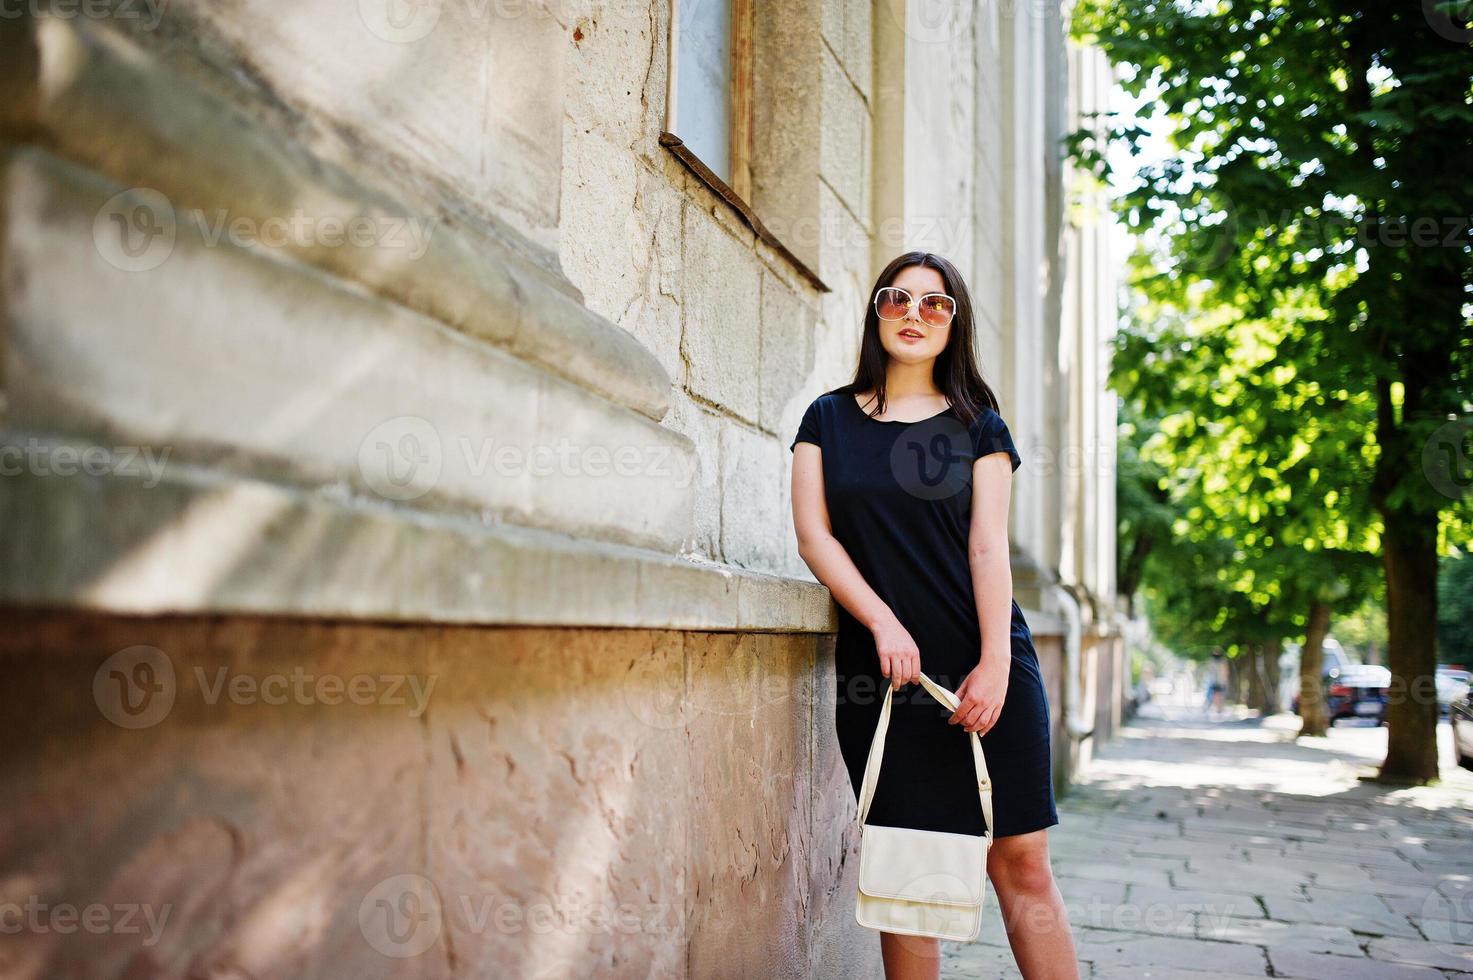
column 955, row 371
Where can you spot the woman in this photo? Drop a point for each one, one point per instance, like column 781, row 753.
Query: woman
column 900, row 502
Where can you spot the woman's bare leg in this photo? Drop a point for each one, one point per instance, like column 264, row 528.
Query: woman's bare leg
column 910, row 957
column 1033, row 911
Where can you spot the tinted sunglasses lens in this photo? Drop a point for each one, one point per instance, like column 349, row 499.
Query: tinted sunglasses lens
column 938, row 310
column 890, row 303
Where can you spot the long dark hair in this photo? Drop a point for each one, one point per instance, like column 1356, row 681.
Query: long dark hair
column 955, row 371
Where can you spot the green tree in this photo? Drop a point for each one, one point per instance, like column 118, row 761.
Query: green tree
column 1145, row 512
column 1315, row 191
column 1255, row 468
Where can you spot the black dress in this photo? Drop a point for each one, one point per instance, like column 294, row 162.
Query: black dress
column 899, row 498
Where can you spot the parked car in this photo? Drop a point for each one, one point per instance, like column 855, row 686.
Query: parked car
column 1357, row 691
column 1354, row 691
column 1461, row 718
column 1452, row 685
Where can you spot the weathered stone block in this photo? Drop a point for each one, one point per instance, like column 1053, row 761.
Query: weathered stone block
column 719, row 341
column 221, row 355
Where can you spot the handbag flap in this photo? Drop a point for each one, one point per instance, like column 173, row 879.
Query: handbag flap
column 922, row 865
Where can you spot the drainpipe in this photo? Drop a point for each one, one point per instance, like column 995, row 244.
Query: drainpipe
column 1077, row 726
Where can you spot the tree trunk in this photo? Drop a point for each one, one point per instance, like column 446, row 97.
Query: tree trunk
column 1253, row 671
column 1271, row 677
column 1409, row 549
column 1311, row 664
column 1411, row 620
column 1423, row 293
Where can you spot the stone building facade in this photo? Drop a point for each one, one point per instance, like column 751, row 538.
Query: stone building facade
column 399, row 573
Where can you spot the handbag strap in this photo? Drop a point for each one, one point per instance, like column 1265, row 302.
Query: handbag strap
column 877, row 752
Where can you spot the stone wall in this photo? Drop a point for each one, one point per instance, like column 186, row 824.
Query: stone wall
column 292, row 798
column 335, row 343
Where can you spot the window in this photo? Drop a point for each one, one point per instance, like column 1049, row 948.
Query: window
column 714, row 54
column 711, row 99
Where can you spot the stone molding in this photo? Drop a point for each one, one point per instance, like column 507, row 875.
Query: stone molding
column 198, row 541
column 95, row 97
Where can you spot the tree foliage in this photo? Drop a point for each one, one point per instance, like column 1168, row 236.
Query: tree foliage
column 1303, row 292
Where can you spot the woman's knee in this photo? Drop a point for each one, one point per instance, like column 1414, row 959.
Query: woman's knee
column 1022, row 870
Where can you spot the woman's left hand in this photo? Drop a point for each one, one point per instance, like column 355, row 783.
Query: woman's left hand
column 981, row 694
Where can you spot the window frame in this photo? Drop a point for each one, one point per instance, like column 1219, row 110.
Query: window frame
column 738, row 193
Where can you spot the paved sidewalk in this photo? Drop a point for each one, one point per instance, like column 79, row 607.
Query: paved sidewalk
column 1216, row 849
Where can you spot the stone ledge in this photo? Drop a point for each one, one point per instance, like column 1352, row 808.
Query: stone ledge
column 189, row 540
column 210, row 146
column 198, row 542
column 269, row 369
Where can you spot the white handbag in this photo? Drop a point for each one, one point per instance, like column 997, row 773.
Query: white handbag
column 921, row 882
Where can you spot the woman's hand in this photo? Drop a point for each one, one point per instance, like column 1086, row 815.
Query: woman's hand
column 900, row 658
column 981, row 694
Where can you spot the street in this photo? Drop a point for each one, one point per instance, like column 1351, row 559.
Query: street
column 1202, row 848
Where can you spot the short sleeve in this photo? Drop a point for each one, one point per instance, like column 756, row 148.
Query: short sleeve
column 808, row 429
column 990, row 435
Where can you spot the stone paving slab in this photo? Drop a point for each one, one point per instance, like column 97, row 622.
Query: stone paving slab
column 1198, row 849
column 1087, row 891
column 1442, row 956
column 1444, row 932
column 1386, row 860
column 1244, row 877
column 1131, row 917
column 1320, row 966
column 1432, row 903
column 1213, row 902
column 1132, row 873
column 1136, row 972
column 1306, row 936
column 1232, row 849
column 1363, row 913
column 1115, row 949
column 977, row 961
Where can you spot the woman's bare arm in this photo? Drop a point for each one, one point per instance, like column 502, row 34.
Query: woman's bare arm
column 900, row 657
column 983, row 692
column 987, row 554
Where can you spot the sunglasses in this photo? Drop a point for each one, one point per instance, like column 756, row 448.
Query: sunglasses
column 936, row 309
